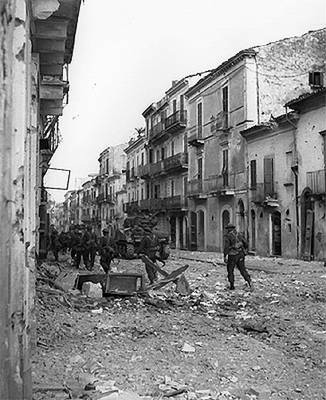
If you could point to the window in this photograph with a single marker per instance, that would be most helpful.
(142, 158)
(225, 169)
(137, 160)
(253, 174)
(162, 153)
(268, 176)
(172, 188)
(172, 148)
(150, 156)
(182, 102)
(200, 169)
(107, 165)
(174, 106)
(157, 155)
(185, 186)
(200, 120)
(156, 191)
(142, 193)
(316, 78)
(225, 105)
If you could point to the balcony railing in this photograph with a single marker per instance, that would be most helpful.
(219, 183)
(176, 121)
(195, 187)
(263, 193)
(176, 161)
(150, 204)
(316, 181)
(174, 202)
(194, 138)
(157, 130)
(102, 198)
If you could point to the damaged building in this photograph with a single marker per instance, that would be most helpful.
(37, 41)
(249, 89)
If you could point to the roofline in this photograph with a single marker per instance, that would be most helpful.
(178, 86)
(284, 119)
(134, 144)
(148, 110)
(221, 69)
(295, 104)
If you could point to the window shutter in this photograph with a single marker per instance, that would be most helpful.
(253, 174)
(200, 119)
(268, 176)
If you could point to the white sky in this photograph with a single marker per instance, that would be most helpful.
(127, 52)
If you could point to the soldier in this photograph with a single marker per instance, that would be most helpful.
(72, 241)
(235, 249)
(90, 243)
(106, 250)
(54, 244)
(79, 248)
(150, 247)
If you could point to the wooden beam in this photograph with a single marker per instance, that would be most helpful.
(51, 69)
(51, 92)
(54, 28)
(49, 58)
(50, 46)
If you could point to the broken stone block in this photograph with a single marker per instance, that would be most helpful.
(187, 348)
(93, 290)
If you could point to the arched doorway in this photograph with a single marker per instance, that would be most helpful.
(193, 231)
(307, 224)
(276, 234)
(241, 217)
(201, 230)
(173, 231)
(225, 219)
(253, 230)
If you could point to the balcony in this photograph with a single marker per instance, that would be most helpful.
(223, 185)
(264, 194)
(150, 204)
(195, 187)
(157, 131)
(143, 170)
(102, 198)
(316, 181)
(178, 161)
(176, 121)
(195, 137)
(174, 202)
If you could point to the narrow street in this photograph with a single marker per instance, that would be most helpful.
(214, 344)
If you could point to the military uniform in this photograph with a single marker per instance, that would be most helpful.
(54, 244)
(150, 247)
(79, 248)
(235, 249)
(106, 250)
(90, 243)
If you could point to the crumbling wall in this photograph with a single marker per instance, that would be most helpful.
(283, 70)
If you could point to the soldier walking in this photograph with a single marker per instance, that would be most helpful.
(106, 250)
(150, 247)
(235, 249)
(90, 243)
(54, 244)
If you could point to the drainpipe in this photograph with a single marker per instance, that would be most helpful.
(296, 179)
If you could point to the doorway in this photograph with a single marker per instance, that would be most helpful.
(173, 231)
(276, 234)
(241, 217)
(253, 230)
(307, 225)
(201, 230)
(193, 231)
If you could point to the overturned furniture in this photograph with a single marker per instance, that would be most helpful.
(177, 277)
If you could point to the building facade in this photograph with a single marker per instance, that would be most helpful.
(112, 185)
(166, 167)
(248, 89)
(37, 41)
(136, 158)
(286, 163)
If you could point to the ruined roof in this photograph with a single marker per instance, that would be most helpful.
(221, 69)
(300, 102)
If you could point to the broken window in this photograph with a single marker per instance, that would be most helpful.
(253, 174)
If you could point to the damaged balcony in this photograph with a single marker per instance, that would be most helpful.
(103, 198)
(176, 121)
(264, 194)
(175, 163)
(174, 203)
(195, 137)
(157, 132)
(150, 204)
(195, 188)
(222, 185)
(316, 181)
